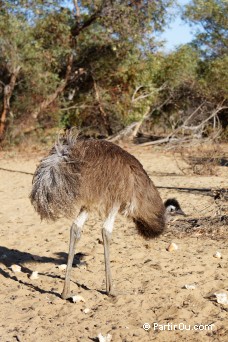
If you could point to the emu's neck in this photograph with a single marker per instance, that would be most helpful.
(167, 216)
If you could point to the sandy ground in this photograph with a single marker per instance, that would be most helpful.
(149, 279)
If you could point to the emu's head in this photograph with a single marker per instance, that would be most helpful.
(173, 208)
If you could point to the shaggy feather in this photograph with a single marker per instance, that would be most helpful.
(96, 175)
(149, 231)
(56, 182)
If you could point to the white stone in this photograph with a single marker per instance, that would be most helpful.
(34, 275)
(172, 247)
(190, 286)
(15, 268)
(221, 298)
(77, 299)
(62, 267)
(106, 338)
(217, 255)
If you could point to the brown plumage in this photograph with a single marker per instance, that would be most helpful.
(96, 175)
(80, 176)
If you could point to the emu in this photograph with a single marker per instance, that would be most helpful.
(80, 176)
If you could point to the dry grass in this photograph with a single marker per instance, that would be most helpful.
(202, 159)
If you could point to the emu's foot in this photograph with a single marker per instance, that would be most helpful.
(115, 293)
(65, 294)
(112, 293)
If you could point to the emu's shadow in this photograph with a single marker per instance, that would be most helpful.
(12, 256)
(9, 257)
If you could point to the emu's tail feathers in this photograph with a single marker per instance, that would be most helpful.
(55, 187)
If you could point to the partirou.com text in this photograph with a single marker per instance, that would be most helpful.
(177, 326)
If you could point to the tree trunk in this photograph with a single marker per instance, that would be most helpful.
(104, 115)
(51, 98)
(8, 91)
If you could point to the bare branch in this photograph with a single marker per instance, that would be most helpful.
(136, 90)
(193, 113)
(51, 98)
(80, 27)
(124, 133)
(140, 97)
(156, 142)
(8, 91)
(77, 106)
(219, 108)
(77, 8)
(197, 130)
(139, 124)
(98, 98)
(101, 108)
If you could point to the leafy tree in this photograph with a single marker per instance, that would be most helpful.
(211, 40)
(211, 19)
(79, 56)
(28, 70)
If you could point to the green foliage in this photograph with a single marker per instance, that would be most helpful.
(106, 39)
(179, 67)
(119, 70)
(211, 16)
(216, 78)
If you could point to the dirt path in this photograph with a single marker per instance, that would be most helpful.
(149, 278)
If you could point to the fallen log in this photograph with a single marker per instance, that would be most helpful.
(216, 193)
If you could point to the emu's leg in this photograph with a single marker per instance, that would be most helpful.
(107, 234)
(75, 234)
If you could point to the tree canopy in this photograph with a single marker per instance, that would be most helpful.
(211, 20)
(99, 65)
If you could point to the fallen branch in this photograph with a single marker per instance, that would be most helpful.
(126, 132)
(215, 193)
(215, 227)
(179, 134)
(139, 124)
(146, 115)
(213, 115)
(185, 189)
(158, 142)
(18, 171)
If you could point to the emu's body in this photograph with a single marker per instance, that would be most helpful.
(80, 176)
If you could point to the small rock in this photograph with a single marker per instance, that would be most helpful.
(189, 286)
(62, 267)
(77, 298)
(15, 268)
(106, 338)
(221, 298)
(87, 310)
(34, 275)
(217, 255)
(172, 247)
